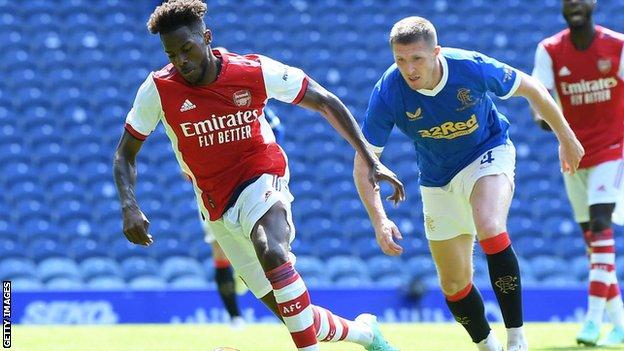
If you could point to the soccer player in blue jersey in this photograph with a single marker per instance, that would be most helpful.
(439, 98)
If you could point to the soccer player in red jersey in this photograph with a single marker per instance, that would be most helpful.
(211, 105)
(584, 67)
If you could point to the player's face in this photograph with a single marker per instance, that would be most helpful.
(577, 13)
(417, 63)
(188, 51)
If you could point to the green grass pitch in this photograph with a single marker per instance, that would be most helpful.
(265, 337)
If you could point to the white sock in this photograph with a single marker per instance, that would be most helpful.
(615, 310)
(515, 336)
(335, 328)
(490, 343)
(595, 310)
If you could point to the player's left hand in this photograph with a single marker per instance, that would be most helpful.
(570, 154)
(380, 172)
(386, 233)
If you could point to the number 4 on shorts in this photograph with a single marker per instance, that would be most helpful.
(487, 158)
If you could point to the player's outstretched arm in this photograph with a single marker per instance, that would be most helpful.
(319, 99)
(135, 223)
(386, 232)
(540, 121)
(570, 149)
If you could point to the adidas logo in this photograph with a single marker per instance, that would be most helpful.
(564, 71)
(187, 106)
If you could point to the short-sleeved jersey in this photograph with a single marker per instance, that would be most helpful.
(452, 124)
(589, 85)
(218, 131)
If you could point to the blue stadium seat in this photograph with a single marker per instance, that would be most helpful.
(177, 266)
(26, 284)
(136, 266)
(392, 281)
(301, 247)
(578, 268)
(148, 282)
(95, 267)
(328, 247)
(571, 246)
(352, 281)
(309, 266)
(11, 268)
(414, 244)
(82, 248)
(110, 282)
(199, 249)
(381, 266)
(122, 249)
(366, 247)
(341, 266)
(57, 267)
(43, 248)
(190, 282)
(64, 283)
(559, 280)
(421, 267)
(546, 266)
(161, 249)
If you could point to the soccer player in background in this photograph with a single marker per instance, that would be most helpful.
(211, 105)
(584, 67)
(439, 98)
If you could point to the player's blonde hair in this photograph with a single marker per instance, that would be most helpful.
(174, 14)
(412, 29)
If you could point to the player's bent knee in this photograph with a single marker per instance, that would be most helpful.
(489, 228)
(451, 286)
(272, 256)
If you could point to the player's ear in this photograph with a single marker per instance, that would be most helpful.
(207, 37)
(436, 50)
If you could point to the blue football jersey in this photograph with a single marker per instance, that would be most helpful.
(452, 124)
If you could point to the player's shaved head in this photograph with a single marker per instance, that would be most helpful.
(413, 29)
(174, 14)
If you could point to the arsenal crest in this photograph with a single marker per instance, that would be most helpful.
(604, 65)
(242, 98)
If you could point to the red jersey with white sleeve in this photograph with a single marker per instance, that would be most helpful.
(590, 88)
(218, 131)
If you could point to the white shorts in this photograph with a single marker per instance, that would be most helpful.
(447, 210)
(233, 230)
(600, 184)
(208, 236)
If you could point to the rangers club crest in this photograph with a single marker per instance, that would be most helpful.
(242, 98)
(604, 65)
(465, 98)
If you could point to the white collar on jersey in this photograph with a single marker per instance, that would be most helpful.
(442, 83)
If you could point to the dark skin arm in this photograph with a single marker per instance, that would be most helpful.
(335, 112)
(135, 223)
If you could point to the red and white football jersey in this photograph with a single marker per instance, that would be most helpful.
(590, 88)
(218, 131)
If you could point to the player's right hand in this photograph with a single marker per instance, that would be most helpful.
(135, 226)
(570, 154)
(386, 233)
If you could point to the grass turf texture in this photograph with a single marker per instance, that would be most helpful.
(267, 337)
